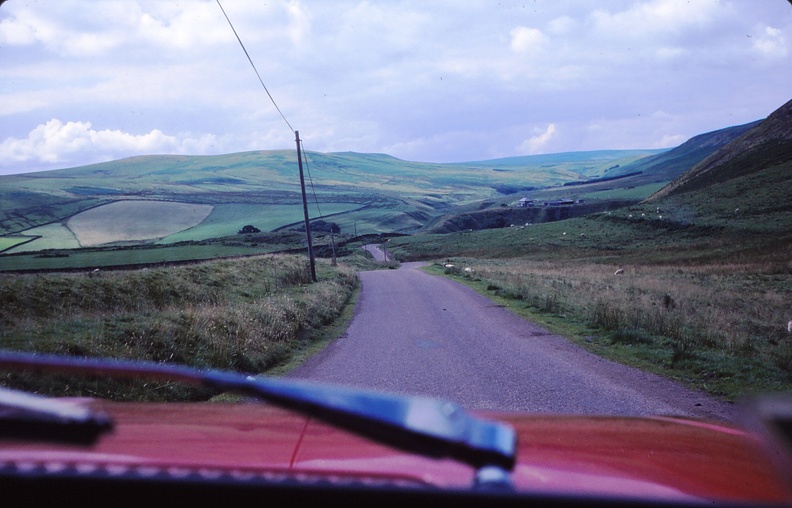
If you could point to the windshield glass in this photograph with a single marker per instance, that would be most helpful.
(537, 206)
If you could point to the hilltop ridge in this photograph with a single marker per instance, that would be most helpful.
(766, 144)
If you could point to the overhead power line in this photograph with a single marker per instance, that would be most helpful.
(254, 66)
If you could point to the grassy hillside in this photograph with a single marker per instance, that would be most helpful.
(214, 196)
(765, 145)
(669, 165)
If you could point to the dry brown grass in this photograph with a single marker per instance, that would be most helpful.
(738, 311)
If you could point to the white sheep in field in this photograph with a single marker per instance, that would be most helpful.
(619, 271)
(468, 270)
(789, 327)
(448, 265)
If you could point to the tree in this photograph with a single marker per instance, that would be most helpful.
(248, 230)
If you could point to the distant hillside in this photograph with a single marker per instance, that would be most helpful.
(669, 165)
(398, 195)
(765, 145)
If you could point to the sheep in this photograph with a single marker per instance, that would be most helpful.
(789, 327)
(448, 265)
(582, 235)
(468, 270)
(619, 271)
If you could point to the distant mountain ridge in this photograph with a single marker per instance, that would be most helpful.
(672, 163)
(767, 143)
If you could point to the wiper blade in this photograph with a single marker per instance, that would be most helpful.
(419, 425)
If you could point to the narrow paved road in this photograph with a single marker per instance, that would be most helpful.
(378, 252)
(416, 333)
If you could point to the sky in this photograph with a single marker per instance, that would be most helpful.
(427, 80)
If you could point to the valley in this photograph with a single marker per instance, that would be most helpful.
(677, 262)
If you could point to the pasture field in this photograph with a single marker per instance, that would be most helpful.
(89, 259)
(52, 236)
(124, 221)
(227, 219)
(632, 193)
(7, 243)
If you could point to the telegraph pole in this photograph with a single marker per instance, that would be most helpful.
(305, 207)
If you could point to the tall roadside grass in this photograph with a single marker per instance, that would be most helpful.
(245, 315)
(721, 327)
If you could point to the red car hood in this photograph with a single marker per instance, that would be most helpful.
(663, 458)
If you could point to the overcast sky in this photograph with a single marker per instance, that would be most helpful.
(441, 81)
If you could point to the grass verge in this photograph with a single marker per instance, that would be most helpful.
(251, 315)
(661, 319)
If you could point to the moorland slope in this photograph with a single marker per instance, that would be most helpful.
(765, 145)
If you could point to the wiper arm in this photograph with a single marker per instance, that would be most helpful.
(27, 416)
(419, 425)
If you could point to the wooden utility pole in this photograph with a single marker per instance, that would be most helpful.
(305, 208)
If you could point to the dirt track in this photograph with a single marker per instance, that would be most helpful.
(416, 333)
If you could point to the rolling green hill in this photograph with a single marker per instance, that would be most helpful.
(364, 193)
(214, 196)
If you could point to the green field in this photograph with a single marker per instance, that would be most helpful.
(124, 221)
(7, 243)
(52, 236)
(89, 259)
(226, 220)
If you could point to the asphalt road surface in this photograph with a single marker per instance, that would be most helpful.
(378, 252)
(419, 334)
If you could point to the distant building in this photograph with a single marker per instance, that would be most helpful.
(560, 202)
(525, 203)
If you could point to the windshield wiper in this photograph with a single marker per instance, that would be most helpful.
(420, 425)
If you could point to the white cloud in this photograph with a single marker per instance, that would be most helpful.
(526, 40)
(658, 18)
(62, 143)
(561, 25)
(771, 43)
(423, 80)
(535, 144)
(671, 140)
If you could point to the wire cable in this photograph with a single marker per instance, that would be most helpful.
(254, 66)
(310, 179)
